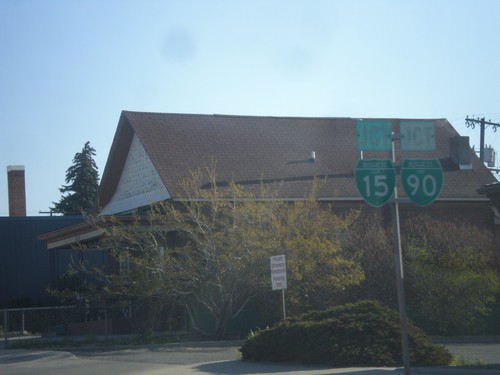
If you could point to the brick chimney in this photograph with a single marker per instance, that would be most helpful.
(17, 190)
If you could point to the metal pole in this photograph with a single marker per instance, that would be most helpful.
(105, 321)
(481, 146)
(400, 286)
(398, 258)
(22, 323)
(283, 303)
(5, 327)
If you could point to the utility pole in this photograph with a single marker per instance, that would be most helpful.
(471, 123)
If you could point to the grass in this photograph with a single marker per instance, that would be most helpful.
(93, 340)
(466, 362)
(476, 363)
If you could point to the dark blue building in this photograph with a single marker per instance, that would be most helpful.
(26, 266)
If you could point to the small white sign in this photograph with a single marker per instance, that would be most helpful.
(278, 272)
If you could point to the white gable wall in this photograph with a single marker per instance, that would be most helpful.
(139, 185)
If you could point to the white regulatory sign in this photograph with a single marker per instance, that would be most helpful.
(278, 272)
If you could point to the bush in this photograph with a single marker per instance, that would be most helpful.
(452, 276)
(361, 334)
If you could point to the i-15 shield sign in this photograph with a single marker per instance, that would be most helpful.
(375, 180)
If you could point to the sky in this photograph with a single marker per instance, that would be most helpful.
(69, 67)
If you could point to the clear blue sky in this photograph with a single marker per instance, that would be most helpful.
(69, 67)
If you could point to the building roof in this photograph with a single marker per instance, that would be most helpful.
(492, 191)
(80, 231)
(251, 150)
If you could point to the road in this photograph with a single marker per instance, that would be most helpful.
(200, 358)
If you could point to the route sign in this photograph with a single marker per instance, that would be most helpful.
(417, 136)
(373, 135)
(375, 180)
(422, 180)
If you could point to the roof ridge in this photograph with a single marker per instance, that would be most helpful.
(231, 115)
(282, 117)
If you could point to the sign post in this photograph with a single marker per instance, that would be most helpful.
(422, 181)
(398, 259)
(278, 277)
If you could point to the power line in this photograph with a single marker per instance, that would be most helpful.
(471, 123)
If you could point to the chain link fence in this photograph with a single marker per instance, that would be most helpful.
(56, 321)
(35, 321)
(87, 320)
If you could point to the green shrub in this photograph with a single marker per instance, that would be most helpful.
(362, 334)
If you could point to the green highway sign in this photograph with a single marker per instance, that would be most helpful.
(422, 180)
(417, 136)
(373, 135)
(375, 181)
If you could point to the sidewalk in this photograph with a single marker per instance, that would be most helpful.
(239, 367)
(221, 358)
(61, 363)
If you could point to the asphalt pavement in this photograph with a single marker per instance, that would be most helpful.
(214, 358)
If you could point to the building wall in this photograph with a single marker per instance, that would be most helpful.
(24, 260)
(478, 213)
(139, 184)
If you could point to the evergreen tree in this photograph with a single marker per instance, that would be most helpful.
(82, 179)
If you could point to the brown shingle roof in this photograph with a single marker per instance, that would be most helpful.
(251, 149)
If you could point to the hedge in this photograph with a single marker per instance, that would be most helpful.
(361, 334)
